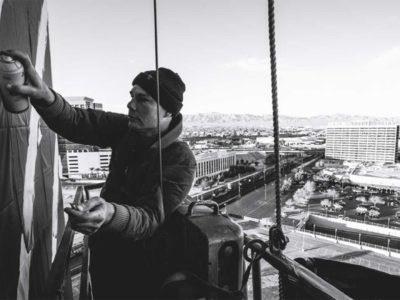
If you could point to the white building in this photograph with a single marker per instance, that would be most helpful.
(65, 146)
(213, 163)
(392, 184)
(362, 141)
(265, 140)
(83, 163)
(84, 102)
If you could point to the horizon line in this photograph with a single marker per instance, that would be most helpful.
(270, 114)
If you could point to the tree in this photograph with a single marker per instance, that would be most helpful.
(333, 193)
(286, 185)
(376, 200)
(374, 213)
(337, 207)
(309, 187)
(300, 197)
(326, 203)
(332, 179)
(361, 210)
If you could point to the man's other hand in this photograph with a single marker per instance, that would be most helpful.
(35, 87)
(90, 215)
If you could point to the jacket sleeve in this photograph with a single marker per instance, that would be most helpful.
(83, 126)
(142, 220)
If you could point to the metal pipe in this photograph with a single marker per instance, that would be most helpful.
(256, 275)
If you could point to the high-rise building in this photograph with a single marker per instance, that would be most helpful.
(362, 141)
(65, 146)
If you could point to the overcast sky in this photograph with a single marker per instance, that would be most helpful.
(333, 57)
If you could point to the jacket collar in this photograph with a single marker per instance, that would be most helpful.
(173, 133)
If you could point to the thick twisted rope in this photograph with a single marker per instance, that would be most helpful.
(274, 91)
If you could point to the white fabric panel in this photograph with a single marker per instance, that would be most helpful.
(29, 180)
(24, 267)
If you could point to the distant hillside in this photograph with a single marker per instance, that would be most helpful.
(246, 120)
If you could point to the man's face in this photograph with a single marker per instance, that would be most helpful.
(143, 111)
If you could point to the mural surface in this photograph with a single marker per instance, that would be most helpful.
(31, 209)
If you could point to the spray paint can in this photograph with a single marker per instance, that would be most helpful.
(12, 72)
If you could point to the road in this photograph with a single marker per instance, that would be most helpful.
(254, 205)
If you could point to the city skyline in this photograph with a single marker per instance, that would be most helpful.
(333, 58)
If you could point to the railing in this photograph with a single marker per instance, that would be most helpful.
(299, 275)
(353, 220)
(60, 274)
(59, 271)
(353, 241)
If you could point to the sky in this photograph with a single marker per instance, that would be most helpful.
(333, 57)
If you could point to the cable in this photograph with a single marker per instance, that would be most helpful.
(158, 98)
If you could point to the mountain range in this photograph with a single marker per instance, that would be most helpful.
(215, 119)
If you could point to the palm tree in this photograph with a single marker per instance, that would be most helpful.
(333, 193)
(326, 203)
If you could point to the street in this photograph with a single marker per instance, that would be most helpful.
(254, 205)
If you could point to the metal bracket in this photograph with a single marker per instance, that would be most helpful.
(277, 240)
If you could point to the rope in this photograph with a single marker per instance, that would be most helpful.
(274, 91)
(158, 98)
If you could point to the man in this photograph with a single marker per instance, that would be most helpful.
(132, 209)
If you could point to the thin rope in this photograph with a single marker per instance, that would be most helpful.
(158, 97)
(274, 91)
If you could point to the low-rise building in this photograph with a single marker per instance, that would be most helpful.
(209, 164)
(66, 147)
(85, 163)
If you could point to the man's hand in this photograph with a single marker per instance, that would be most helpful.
(90, 215)
(35, 88)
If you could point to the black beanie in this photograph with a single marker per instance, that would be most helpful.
(171, 88)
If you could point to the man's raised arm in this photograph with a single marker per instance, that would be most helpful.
(78, 125)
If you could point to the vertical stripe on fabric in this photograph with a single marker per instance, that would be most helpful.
(34, 139)
(56, 189)
(29, 180)
(1, 6)
(24, 271)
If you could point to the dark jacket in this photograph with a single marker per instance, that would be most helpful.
(123, 252)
